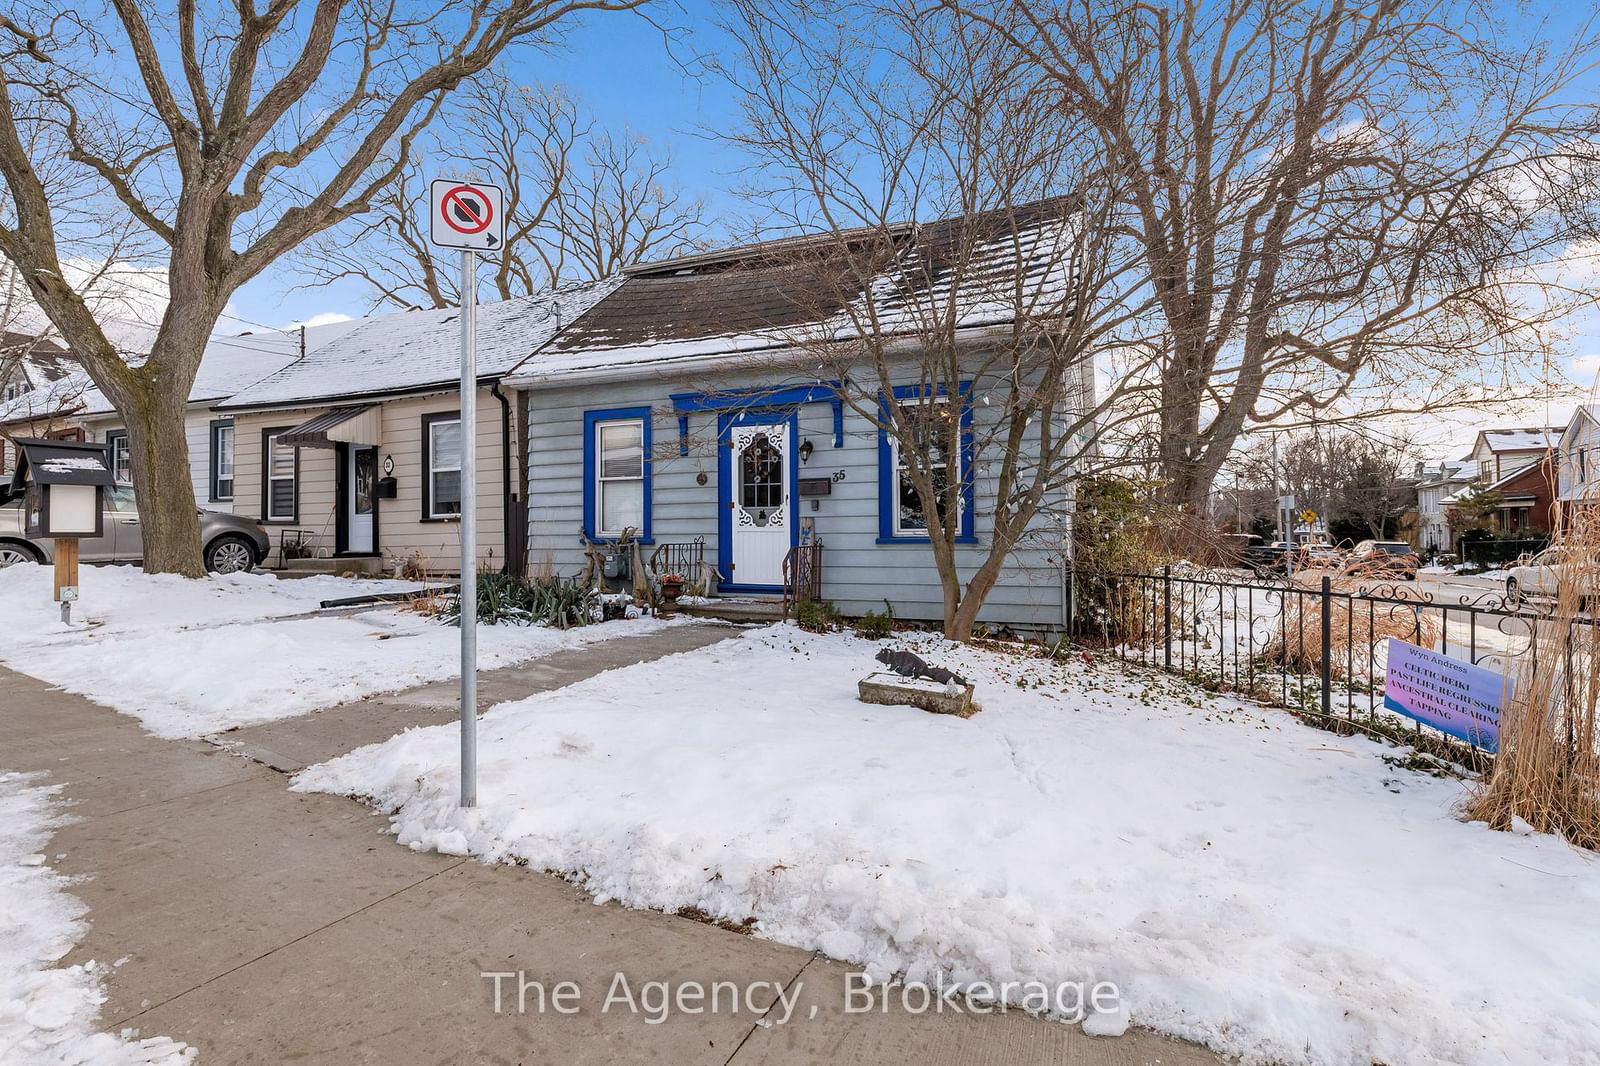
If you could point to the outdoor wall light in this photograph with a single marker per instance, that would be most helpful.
(805, 451)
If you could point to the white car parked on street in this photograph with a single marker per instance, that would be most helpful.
(1541, 575)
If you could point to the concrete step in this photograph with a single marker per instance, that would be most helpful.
(754, 611)
(366, 565)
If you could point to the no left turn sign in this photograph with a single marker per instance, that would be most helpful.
(466, 215)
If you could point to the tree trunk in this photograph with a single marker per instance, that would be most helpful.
(158, 450)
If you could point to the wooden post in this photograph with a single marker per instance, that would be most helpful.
(66, 564)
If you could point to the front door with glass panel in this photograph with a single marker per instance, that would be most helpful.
(756, 493)
(361, 499)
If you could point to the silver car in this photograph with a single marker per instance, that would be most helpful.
(231, 543)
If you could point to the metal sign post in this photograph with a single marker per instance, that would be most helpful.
(468, 216)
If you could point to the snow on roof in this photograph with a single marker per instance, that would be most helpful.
(1513, 440)
(784, 294)
(230, 363)
(408, 351)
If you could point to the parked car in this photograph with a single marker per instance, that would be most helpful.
(1318, 555)
(1383, 558)
(1267, 560)
(230, 543)
(1541, 574)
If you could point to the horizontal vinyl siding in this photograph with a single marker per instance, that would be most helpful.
(197, 434)
(858, 573)
(401, 529)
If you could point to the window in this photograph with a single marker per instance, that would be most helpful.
(900, 508)
(281, 463)
(616, 461)
(222, 460)
(121, 469)
(441, 483)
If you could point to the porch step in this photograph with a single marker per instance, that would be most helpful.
(754, 611)
(364, 565)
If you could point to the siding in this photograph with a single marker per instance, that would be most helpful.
(401, 529)
(858, 573)
(197, 429)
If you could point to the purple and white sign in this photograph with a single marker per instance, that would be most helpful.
(1454, 697)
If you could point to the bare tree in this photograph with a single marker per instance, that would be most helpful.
(236, 134)
(1355, 481)
(580, 203)
(1343, 210)
(969, 341)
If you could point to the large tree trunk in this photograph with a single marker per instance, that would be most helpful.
(158, 449)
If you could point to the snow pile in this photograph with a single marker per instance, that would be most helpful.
(47, 1014)
(124, 599)
(189, 658)
(1276, 892)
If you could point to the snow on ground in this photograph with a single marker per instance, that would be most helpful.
(47, 1013)
(1271, 890)
(188, 658)
(124, 599)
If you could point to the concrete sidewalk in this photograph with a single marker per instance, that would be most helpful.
(264, 926)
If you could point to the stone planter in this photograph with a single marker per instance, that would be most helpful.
(893, 690)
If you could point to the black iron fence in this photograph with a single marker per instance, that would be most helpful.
(1314, 642)
(1494, 552)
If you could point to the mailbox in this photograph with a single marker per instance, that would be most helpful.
(63, 485)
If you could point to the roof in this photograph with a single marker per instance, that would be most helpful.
(1536, 438)
(413, 351)
(61, 462)
(229, 364)
(779, 294)
(42, 360)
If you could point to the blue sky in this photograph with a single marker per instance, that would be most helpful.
(619, 67)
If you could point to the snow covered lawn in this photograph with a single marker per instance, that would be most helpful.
(188, 658)
(47, 1013)
(1271, 890)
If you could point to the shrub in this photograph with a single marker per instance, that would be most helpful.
(875, 626)
(815, 616)
(548, 601)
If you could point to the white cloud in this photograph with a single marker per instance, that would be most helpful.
(324, 318)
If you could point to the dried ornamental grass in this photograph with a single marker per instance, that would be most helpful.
(1547, 772)
(1357, 628)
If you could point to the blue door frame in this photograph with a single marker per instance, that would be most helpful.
(725, 485)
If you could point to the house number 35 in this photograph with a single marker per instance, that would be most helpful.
(838, 475)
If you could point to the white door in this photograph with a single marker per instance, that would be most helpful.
(361, 498)
(758, 498)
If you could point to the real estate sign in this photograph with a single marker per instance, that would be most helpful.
(1454, 697)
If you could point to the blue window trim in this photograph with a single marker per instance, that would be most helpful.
(725, 422)
(591, 419)
(759, 399)
(888, 483)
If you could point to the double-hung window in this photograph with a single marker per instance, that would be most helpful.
(121, 468)
(935, 428)
(282, 465)
(441, 438)
(222, 460)
(617, 470)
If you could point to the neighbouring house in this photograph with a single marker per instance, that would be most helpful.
(351, 456)
(1437, 482)
(72, 408)
(1499, 453)
(687, 406)
(29, 362)
(1527, 500)
(1578, 458)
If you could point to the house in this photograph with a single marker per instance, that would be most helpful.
(73, 408)
(351, 456)
(1499, 453)
(690, 406)
(29, 362)
(1578, 458)
(1435, 484)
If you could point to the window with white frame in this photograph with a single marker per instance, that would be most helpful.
(443, 439)
(222, 460)
(619, 476)
(929, 425)
(121, 466)
(282, 474)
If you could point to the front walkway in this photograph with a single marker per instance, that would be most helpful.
(265, 926)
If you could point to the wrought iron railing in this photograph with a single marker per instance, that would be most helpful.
(1314, 642)
(802, 575)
